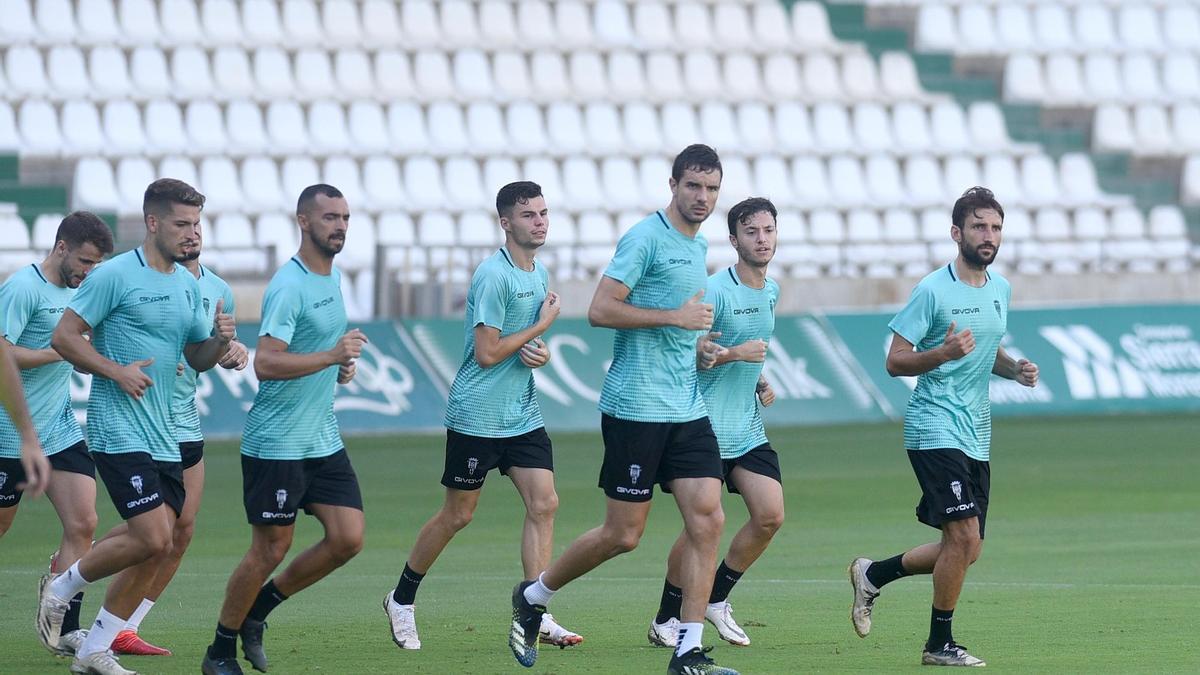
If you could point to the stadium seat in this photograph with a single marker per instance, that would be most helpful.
(900, 226)
(1181, 26)
(643, 133)
(626, 79)
(108, 73)
(180, 168)
(458, 24)
(67, 73)
(464, 184)
(56, 21)
(39, 128)
(988, 130)
(18, 26)
(190, 73)
(1138, 27)
(1023, 79)
(770, 27)
(368, 127)
(1181, 76)
(423, 183)
(472, 75)
(382, 185)
(1185, 124)
(1064, 80)
(182, 26)
(342, 171)
(262, 188)
(587, 77)
(381, 23)
(395, 228)
(792, 128)
(393, 75)
(949, 126)
(910, 127)
(45, 229)
(231, 69)
(26, 71)
(653, 174)
(860, 79)
(574, 24)
(261, 22)
(884, 182)
(205, 128)
(1090, 224)
(872, 127)
(821, 77)
(81, 132)
(478, 228)
(825, 226)
(1039, 180)
(847, 182)
(447, 129)
(603, 128)
(1052, 224)
(314, 74)
(1014, 27)
(221, 21)
(219, 183)
(1052, 25)
(935, 30)
(1167, 222)
(810, 27)
(1094, 28)
(352, 72)
(286, 127)
(164, 127)
(740, 74)
(94, 188)
(132, 177)
(1111, 129)
(1139, 73)
(277, 232)
(754, 128)
(923, 181)
(702, 75)
(297, 173)
(548, 75)
(1102, 78)
(327, 127)
(1152, 129)
(781, 73)
(436, 228)
(536, 13)
(139, 21)
(961, 174)
(717, 126)
(664, 77)
(339, 19)
(898, 76)
(810, 182)
(1127, 222)
(123, 128)
(612, 23)
(9, 139)
(831, 125)
(301, 22)
(1000, 174)
(148, 70)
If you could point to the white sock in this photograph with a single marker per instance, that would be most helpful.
(66, 585)
(135, 620)
(103, 632)
(538, 593)
(689, 637)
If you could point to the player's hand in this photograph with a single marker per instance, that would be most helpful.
(346, 372)
(1027, 373)
(349, 347)
(132, 380)
(694, 314)
(236, 357)
(754, 351)
(550, 309)
(708, 351)
(179, 368)
(766, 395)
(224, 326)
(37, 469)
(958, 345)
(534, 353)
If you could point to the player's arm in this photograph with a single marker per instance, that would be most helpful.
(904, 360)
(766, 395)
(12, 397)
(203, 355)
(17, 307)
(491, 349)
(1021, 370)
(751, 351)
(26, 358)
(70, 342)
(609, 309)
(272, 360)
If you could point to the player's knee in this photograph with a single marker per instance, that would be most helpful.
(270, 552)
(706, 525)
(768, 523)
(81, 530)
(344, 547)
(182, 536)
(543, 507)
(964, 539)
(458, 518)
(623, 540)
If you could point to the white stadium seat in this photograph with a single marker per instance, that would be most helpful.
(132, 177)
(247, 134)
(297, 173)
(458, 23)
(81, 132)
(109, 73)
(301, 22)
(67, 73)
(180, 168)
(39, 128)
(382, 184)
(95, 188)
(464, 184)
(381, 23)
(18, 26)
(222, 23)
(261, 22)
(262, 187)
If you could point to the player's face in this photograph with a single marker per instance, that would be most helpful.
(326, 222)
(529, 223)
(756, 239)
(979, 237)
(695, 194)
(77, 262)
(176, 231)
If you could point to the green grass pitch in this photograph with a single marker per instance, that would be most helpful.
(1092, 563)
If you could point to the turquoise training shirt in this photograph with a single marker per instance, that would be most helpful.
(951, 406)
(740, 314)
(30, 307)
(500, 401)
(137, 312)
(187, 415)
(653, 372)
(293, 419)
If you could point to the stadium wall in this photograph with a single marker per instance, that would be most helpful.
(825, 368)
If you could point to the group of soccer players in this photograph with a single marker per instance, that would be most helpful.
(679, 408)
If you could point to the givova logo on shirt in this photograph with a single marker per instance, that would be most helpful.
(153, 298)
(748, 310)
(524, 294)
(321, 303)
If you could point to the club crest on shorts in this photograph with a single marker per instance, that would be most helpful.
(472, 464)
(280, 498)
(635, 472)
(3, 479)
(136, 481)
(956, 488)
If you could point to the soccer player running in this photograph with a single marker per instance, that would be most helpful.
(292, 452)
(492, 416)
(31, 302)
(144, 312)
(653, 421)
(213, 291)
(948, 335)
(744, 317)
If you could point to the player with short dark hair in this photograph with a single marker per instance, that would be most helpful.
(31, 302)
(744, 300)
(144, 313)
(293, 456)
(214, 294)
(492, 415)
(948, 423)
(653, 418)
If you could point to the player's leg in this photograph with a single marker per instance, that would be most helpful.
(7, 515)
(664, 629)
(128, 641)
(11, 475)
(763, 495)
(343, 539)
(73, 495)
(699, 502)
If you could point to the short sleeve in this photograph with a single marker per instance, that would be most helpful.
(17, 306)
(201, 328)
(280, 312)
(630, 260)
(713, 295)
(489, 302)
(98, 295)
(913, 322)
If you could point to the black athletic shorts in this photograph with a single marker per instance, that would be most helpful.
(138, 483)
(191, 452)
(639, 454)
(469, 458)
(274, 489)
(762, 460)
(953, 486)
(74, 459)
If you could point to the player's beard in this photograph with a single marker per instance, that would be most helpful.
(330, 247)
(67, 275)
(972, 256)
(190, 254)
(745, 255)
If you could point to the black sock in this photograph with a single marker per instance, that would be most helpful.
(406, 589)
(671, 603)
(268, 599)
(71, 618)
(939, 629)
(723, 583)
(224, 645)
(883, 572)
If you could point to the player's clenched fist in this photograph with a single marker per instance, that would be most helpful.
(132, 380)
(754, 351)
(766, 395)
(349, 347)
(223, 324)
(1027, 373)
(550, 309)
(694, 314)
(236, 357)
(534, 353)
(958, 345)
(708, 351)
(346, 372)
